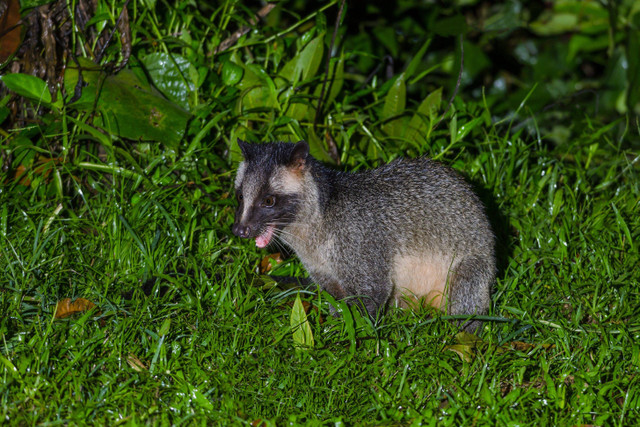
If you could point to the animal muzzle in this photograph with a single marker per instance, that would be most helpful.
(240, 230)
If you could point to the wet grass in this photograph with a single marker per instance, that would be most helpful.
(208, 343)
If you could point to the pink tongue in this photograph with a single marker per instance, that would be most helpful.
(264, 239)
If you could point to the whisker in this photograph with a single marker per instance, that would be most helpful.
(285, 235)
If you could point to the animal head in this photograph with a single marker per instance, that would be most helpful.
(269, 188)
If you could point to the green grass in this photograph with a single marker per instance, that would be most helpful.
(216, 346)
(100, 217)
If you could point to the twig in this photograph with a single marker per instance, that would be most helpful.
(123, 12)
(233, 38)
(326, 74)
(455, 92)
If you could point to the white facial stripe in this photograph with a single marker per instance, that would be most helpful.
(242, 167)
(285, 181)
(249, 195)
(245, 210)
(249, 190)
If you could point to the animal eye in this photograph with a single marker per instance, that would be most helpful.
(269, 201)
(239, 196)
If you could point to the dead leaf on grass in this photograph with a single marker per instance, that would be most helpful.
(68, 307)
(267, 262)
(464, 351)
(525, 346)
(468, 344)
(135, 363)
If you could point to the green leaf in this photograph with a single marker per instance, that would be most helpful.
(451, 26)
(231, 73)
(316, 147)
(302, 335)
(633, 69)
(421, 123)
(336, 80)
(95, 133)
(466, 128)
(259, 90)
(417, 58)
(389, 38)
(394, 105)
(9, 367)
(550, 23)
(127, 106)
(305, 64)
(172, 75)
(201, 399)
(581, 43)
(334, 83)
(348, 322)
(558, 201)
(4, 113)
(301, 68)
(31, 87)
(622, 225)
(164, 329)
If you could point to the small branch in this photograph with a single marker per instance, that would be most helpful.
(326, 74)
(123, 15)
(233, 38)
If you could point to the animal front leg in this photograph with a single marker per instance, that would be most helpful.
(331, 286)
(369, 293)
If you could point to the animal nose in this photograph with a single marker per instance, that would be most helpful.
(241, 230)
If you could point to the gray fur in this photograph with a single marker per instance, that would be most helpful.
(350, 229)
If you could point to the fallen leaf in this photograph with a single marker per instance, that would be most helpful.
(468, 338)
(135, 363)
(267, 262)
(464, 351)
(68, 307)
(469, 344)
(11, 30)
(525, 346)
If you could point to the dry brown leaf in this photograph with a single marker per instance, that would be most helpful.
(464, 351)
(42, 167)
(308, 307)
(10, 29)
(305, 304)
(467, 344)
(68, 307)
(135, 363)
(266, 263)
(525, 346)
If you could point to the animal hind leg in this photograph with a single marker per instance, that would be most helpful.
(470, 289)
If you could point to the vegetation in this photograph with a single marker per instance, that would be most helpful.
(118, 153)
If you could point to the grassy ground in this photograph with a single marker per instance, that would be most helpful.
(211, 343)
(184, 328)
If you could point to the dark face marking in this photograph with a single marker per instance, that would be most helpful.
(260, 184)
(268, 209)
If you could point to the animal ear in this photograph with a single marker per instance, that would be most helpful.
(245, 148)
(299, 154)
